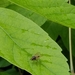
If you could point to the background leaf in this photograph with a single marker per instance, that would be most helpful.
(12, 72)
(60, 34)
(3, 63)
(4, 3)
(21, 38)
(29, 14)
(58, 11)
(3, 73)
(53, 29)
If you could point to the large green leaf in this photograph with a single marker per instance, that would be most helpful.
(55, 10)
(20, 38)
(4, 3)
(29, 14)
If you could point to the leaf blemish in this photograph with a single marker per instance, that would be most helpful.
(23, 30)
(34, 44)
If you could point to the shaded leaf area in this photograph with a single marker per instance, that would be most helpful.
(4, 73)
(11, 71)
(73, 2)
(7, 68)
(29, 14)
(65, 39)
(58, 11)
(21, 39)
(4, 3)
(3, 63)
(54, 30)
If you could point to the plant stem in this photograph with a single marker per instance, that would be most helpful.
(70, 49)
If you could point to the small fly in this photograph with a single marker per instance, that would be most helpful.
(35, 57)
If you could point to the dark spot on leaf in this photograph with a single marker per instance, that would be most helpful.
(23, 30)
(31, 14)
(54, 48)
(36, 44)
(33, 44)
(25, 50)
(48, 46)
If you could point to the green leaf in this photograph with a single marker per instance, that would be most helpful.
(58, 11)
(21, 39)
(53, 29)
(64, 35)
(4, 3)
(73, 2)
(3, 63)
(4, 73)
(29, 14)
(12, 71)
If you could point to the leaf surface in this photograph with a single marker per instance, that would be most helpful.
(53, 29)
(58, 11)
(21, 39)
(3, 73)
(4, 3)
(38, 19)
